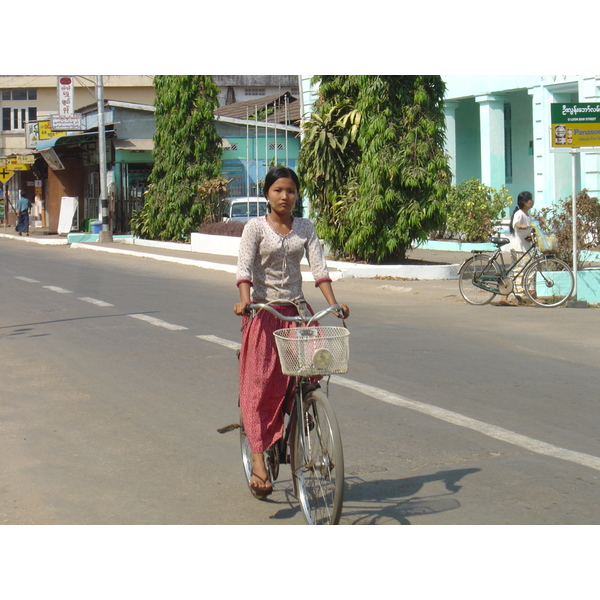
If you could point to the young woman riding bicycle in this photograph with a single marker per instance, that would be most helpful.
(268, 270)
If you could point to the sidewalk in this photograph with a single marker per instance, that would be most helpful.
(424, 264)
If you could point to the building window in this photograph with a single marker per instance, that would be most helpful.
(19, 94)
(14, 119)
(254, 91)
(278, 146)
(508, 169)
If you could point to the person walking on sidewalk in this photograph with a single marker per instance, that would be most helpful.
(520, 227)
(23, 206)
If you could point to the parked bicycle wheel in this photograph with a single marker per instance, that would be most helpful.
(317, 461)
(481, 269)
(548, 281)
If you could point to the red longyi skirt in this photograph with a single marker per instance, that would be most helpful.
(262, 384)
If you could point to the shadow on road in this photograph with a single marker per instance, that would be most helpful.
(389, 501)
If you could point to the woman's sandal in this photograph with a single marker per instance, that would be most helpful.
(505, 303)
(260, 493)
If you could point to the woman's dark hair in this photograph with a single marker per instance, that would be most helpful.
(277, 173)
(521, 199)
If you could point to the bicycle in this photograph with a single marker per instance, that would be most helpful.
(311, 443)
(547, 280)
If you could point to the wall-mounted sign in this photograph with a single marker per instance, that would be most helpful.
(66, 106)
(45, 131)
(66, 123)
(12, 166)
(52, 159)
(575, 125)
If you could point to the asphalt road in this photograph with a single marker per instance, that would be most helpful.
(450, 414)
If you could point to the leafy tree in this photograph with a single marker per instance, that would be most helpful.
(373, 165)
(187, 154)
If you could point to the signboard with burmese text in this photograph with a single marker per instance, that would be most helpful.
(575, 125)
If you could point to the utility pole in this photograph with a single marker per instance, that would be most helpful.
(106, 233)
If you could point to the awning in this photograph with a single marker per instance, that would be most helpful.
(70, 140)
(136, 144)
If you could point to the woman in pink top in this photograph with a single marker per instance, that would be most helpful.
(268, 270)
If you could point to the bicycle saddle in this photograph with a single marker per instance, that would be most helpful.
(498, 241)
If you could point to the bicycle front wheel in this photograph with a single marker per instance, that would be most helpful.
(479, 270)
(317, 461)
(548, 282)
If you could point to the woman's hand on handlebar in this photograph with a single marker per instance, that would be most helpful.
(240, 308)
(345, 312)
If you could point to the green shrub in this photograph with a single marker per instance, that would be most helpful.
(558, 219)
(231, 228)
(472, 210)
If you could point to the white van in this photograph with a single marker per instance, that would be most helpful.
(244, 208)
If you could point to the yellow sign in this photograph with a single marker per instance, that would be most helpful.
(13, 164)
(575, 125)
(45, 131)
(5, 175)
(25, 159)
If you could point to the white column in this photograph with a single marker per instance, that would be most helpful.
(589, 91)
(543, 162)
(491, 118)
(450, 146)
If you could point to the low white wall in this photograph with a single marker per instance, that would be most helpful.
(222, 245)
(349, 270)
(153, 244)
(228, 246)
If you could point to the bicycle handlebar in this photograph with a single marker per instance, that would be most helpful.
(297, 318)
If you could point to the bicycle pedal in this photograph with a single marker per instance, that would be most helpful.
(229, 428)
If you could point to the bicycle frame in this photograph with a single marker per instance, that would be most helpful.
(497, 258)
(311, 435)
(299, 386)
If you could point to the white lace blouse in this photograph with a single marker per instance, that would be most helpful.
(270, 262)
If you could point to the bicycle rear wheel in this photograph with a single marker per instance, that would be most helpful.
(317, 461)
(472, 272)
(548, 281)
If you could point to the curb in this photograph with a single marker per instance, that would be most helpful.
(338, 270)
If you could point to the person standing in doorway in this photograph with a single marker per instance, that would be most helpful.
(23, 207)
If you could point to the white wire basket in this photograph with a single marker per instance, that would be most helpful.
(311, 351)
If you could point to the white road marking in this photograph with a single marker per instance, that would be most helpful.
(158, 322)
(94, 301)
(222, 342)
(58, 290)
(27, 279)
(492, 431)
(498, 433)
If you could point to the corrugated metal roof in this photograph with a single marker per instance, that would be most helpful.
(274, 102)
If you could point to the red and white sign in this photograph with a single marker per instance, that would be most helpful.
(65, 96)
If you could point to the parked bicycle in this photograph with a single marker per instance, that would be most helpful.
(311, 444)
(546, 280)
